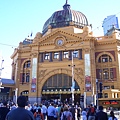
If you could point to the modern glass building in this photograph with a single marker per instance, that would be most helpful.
(109, 22)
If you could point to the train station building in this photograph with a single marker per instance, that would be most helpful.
(66, 57)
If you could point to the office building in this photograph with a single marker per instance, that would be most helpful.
(109, 22)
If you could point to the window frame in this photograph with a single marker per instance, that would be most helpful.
(47, 55)
(65, 54)
(56, 55)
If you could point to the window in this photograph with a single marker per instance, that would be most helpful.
(106, 87)
(111, 73)
(112, 86)
(25, 77)
(105, 73)
(46, 56)
(65, 54)
(105, 58)
(56, 55)
(100, 74)
(27, 64)
(106, 95)
(59, 82)
(75, 54)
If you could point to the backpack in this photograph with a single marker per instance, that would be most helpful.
(92, 110)
(38, 117)
(64, 117)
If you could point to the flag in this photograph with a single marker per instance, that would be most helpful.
(31, 34)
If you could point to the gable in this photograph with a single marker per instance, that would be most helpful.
(51, 38)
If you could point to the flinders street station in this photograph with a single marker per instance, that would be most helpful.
(66, 61)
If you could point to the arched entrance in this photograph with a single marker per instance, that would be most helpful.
(58, 86)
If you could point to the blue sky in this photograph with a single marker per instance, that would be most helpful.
(19, 17)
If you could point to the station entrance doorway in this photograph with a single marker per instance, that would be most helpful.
(59, 87)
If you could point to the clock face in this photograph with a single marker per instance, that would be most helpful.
(60, 42)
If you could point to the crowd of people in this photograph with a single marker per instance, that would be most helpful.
(53, 110)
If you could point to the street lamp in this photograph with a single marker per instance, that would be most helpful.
(97, 93)
(16, 92)
(72, 66)
(73, 82)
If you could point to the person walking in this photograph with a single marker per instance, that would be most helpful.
(44, 108)
(78, 112)
(51, 111)
(84, 114)
(13, 106)
(112, 116)
(20, 113)
(38, 115)
(66, 114)
(73, 111)
(101, 115)
(4, 111)
(91, 113)
(56, 112)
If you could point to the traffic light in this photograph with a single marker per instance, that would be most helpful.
(99, 95)
(82, 98)
(100, 87)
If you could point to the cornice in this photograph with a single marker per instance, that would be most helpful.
(24, 51)
(89, 39)
(104, 43)
(62, 33)
(103, 65)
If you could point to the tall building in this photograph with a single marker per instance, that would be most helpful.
(109, 22)
(67, 61)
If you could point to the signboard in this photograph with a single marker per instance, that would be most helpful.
(110, 102)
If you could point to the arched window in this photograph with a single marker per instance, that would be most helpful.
(27, 64)
(26, 72)
(104, 58)
(60, 82)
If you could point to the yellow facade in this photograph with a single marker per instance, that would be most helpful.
(43, 54)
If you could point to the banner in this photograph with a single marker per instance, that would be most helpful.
(34, 73)
(87, 73)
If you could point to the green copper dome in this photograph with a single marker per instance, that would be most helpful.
(64, 17)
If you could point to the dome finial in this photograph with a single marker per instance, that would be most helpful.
(66, 1)
(66, 6)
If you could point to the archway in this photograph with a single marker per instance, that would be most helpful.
(58, 87)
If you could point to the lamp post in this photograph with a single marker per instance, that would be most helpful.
(72, 66)
(1, 68)
(73, 82)
(97, 93)
(16, 92)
